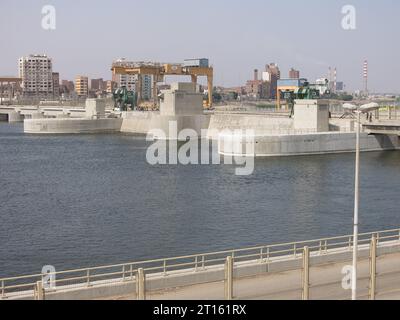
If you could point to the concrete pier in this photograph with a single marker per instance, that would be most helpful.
(181, 105)
(14, 116)
(307, 144)
(309, 132)
(71, 126)
(94, 120)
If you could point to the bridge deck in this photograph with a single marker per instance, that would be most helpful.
(383, 127)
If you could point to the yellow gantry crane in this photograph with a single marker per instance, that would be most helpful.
(193, 67)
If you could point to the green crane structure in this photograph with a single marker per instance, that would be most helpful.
(307, 91)
(124, 99)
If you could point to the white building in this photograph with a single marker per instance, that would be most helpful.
(36, 72)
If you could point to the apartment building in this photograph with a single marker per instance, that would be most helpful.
(36, 72)
(82, 86)
(56, 85)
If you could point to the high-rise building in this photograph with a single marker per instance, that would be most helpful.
(36, 72)
(146, 87)
(82, 86)
(274, 74)
(56, 85)
(294, 74)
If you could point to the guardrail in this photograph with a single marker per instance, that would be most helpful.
(112, 274)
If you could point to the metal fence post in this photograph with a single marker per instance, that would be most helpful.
(228, 283)
(141, 285)
(306, 273)
(131, 271)
(88, 277)
(372, 269)
(2, 289)
(39, 291)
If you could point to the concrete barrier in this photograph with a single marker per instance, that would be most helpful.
(261, 124)
(315, 143)
(72, 125)
(143, 122)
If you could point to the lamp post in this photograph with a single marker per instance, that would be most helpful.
(357, 110)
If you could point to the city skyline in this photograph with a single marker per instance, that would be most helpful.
(90, 43)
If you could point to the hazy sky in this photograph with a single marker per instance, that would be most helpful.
(237, 37)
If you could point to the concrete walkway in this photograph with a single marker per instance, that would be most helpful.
(325, 282)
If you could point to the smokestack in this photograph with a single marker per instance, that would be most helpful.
(255, 74)
(334, 79)
(365, 76)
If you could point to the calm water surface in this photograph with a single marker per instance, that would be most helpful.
(86, 200)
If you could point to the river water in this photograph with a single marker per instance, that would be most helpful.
(85, 200)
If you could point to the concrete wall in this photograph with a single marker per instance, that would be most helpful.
(95, 108)
(136, 122)
(66, 126)
(311, 115)
(345, 125)
(143, 123)
(318, 143)
(14, 116)
(181, 99)
(261, 124)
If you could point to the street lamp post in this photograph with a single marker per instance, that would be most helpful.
(357, 110)
(356, 202)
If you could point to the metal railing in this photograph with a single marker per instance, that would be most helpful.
(119, 273)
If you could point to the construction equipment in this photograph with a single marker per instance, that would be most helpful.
(124, 99)
(306, 91)
(191, 67)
